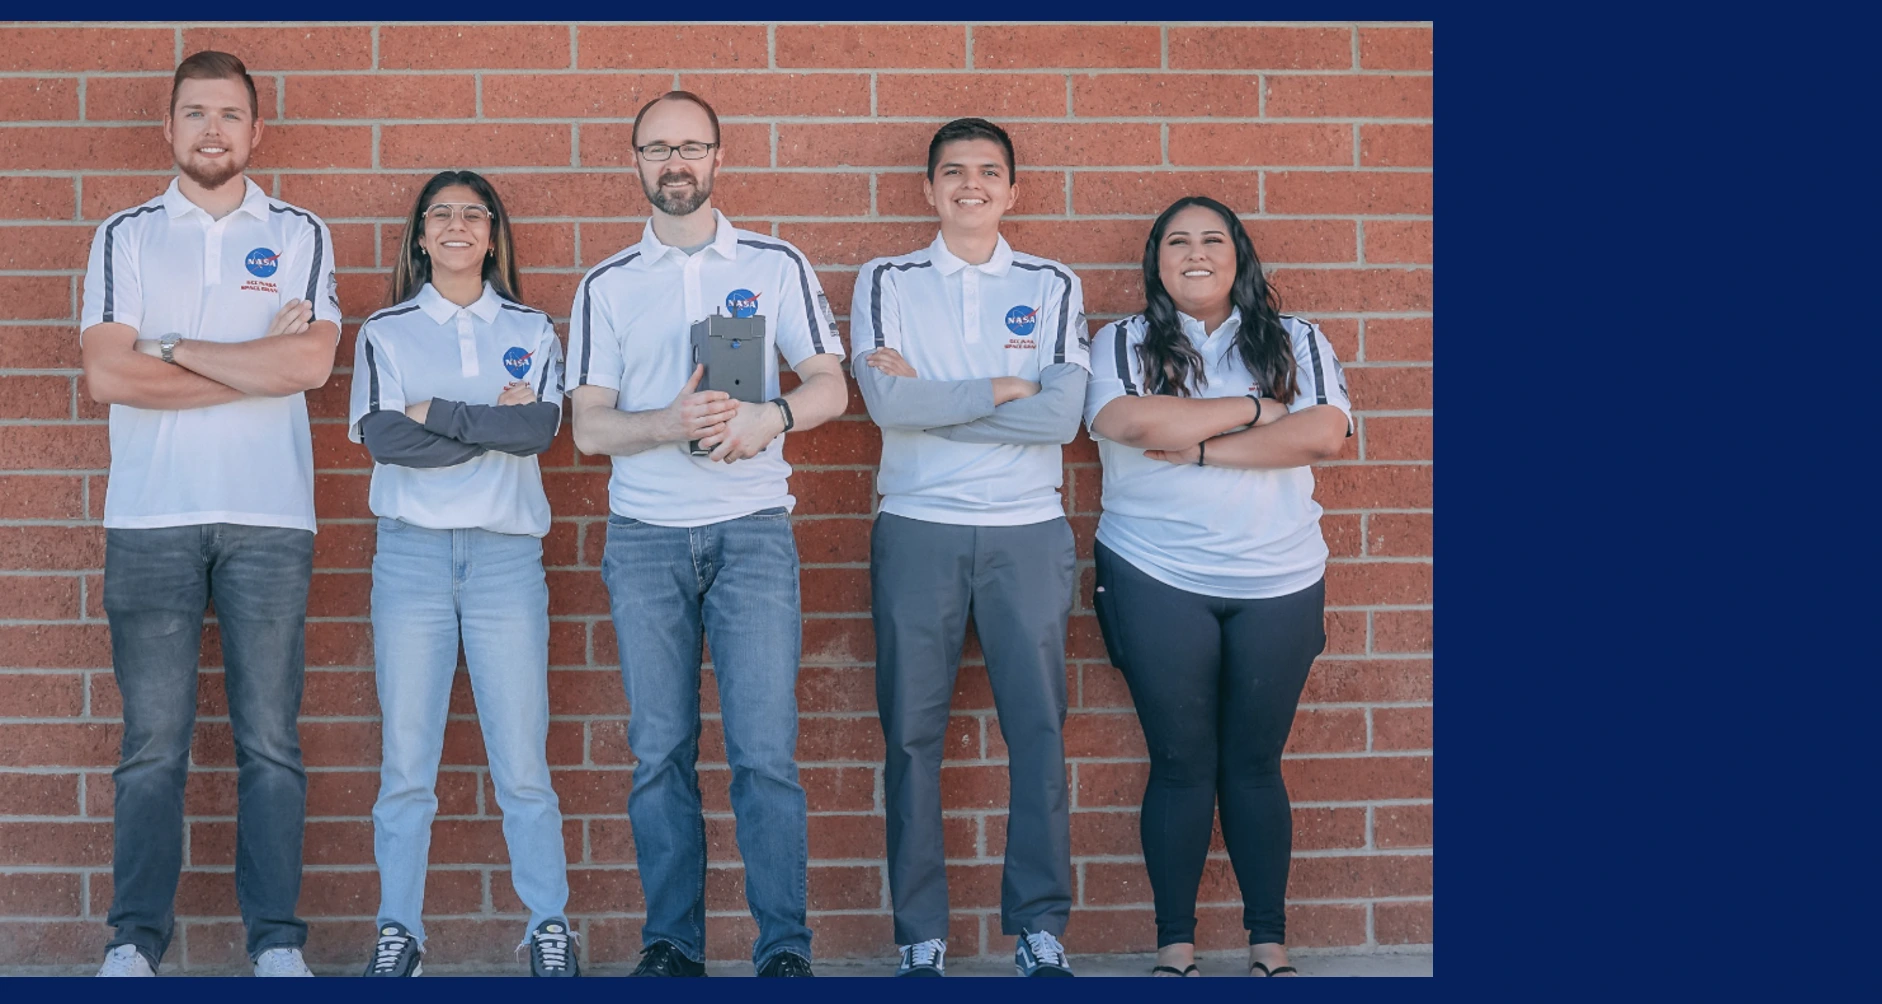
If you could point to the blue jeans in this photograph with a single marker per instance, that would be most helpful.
(736, 581)
(428, 588)
(157, 584)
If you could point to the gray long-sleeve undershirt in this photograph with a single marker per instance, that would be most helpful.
(963, 410)
(393, 438)
(522, 430)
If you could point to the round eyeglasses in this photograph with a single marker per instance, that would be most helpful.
(472, 213)
(663, 151)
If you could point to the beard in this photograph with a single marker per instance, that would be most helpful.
(212, 176)
(673, 203)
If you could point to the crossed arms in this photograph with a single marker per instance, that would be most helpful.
(294, 355)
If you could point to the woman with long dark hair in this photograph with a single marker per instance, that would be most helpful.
(456, 387)
(1208, 408)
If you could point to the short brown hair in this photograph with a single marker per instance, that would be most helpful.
(676, 96)
(212, 65)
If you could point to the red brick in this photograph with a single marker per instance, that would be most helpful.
(1328, 730)
(1109, 785)
(764, 193)
(1395, 145)
(1390, 388)
(40, 894)
(704, 46)
(36, 198)
(1222, 48)
(55, 646)
(1406, 438)
(1395, 48)
(1085, 144)
(1366, 193)
(40, 695)
(60, 148)
(1397, 826)
(1360, 876)
(997, 96)
(473, 46)
(781, 93)
(866, 144)
(1342, 535)
(1405, 242)
(1398, 339)
(1079, 242)
(1000, 47)
(147, 99)
(1371, 95)
(1308, 290)
(451, 146)
(746, 144)
(52, 942)
(108, 194)
(1401, 728)
(1103, 735)
(1180, 95)
(385, 195)
(382, 96)
(38, 99)
(1402, 923)
(320, 146)
(1354, 680)
(301, 48)
(1376, 583)
(67, 49)
(39, 795)
(564, 95)
(34, 397)
(1358, 779)
(828, 46)
(1398, 534)
(74, 843)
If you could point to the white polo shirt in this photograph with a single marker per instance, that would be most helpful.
(429, 347)
(629, 331)
(167, 266)
(1013, 315)
(1213, 530)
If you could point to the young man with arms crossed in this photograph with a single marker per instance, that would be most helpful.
(209, 312)
(703, 543)
(973, 358)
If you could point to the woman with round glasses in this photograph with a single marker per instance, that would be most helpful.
(456, 388)
(1208, 408)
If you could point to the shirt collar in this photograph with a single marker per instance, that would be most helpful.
(724, 241)
(949, 263)
(441, 310)
(1226, 333)
(254, 200)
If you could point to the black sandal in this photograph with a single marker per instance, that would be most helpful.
(1172, 970)
(1277, 972)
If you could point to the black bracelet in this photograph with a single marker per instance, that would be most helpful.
(1257, 401)
(786, 409)
(1201, 451)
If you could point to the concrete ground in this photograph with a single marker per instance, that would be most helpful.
(1211, 964)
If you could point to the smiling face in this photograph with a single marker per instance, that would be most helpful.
(211, 130)
(972, 187)
(454, 244)
(677, 186)
(1196, 261)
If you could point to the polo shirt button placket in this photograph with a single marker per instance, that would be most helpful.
(466, 343)
(970, 304)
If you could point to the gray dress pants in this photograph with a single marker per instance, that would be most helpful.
(1016, 582)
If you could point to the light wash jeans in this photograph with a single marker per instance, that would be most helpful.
(735, 580)
(426, 586)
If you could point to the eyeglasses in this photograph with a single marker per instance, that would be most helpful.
(472, 213)
(662, 151)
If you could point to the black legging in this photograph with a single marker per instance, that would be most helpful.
(1215, 682)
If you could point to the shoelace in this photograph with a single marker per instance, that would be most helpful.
(926, 953)
(386, 954)
(1046, 948)
(554, 949)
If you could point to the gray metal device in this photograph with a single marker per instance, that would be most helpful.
(734, 352)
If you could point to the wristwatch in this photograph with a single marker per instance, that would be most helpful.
(167, 346)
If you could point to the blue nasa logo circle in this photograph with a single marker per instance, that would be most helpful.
(516, 360)
(742, 302)
(1020, 320)
(262, 262)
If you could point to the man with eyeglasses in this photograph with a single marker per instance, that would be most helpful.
(704, 543)
(209, 312)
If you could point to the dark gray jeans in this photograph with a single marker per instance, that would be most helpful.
(158, 583)
(1016, 582)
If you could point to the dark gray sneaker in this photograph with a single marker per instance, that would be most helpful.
(664, 958)
(551, 950)
(1038, 953)
(786, 964)
(395, 954)
(924, 958)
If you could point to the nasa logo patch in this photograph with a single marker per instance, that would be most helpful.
(742, 302)
(262, 262)
(516, 360)
(1020, 320)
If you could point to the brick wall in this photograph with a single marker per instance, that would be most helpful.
(1320, 134)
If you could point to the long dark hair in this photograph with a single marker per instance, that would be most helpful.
(1168, 357)
(413, 269)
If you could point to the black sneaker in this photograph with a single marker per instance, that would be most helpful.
(664, 958)
(396, 953)
(1038, 953)
(923, 958)
(550, 951)
(786, 964)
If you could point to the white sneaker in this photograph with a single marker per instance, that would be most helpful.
(125, 960)
(282, 962)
